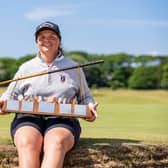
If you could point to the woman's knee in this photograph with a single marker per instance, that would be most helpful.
(57, 144)
(59, 141)
(24, 139)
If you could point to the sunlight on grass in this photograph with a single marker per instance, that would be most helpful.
(123, 114)
(138, 115)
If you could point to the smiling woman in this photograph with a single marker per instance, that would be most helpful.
(47, 42)
(51, 136)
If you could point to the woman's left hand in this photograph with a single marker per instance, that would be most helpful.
(94, 115)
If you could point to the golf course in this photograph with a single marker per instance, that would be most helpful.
(131, 131)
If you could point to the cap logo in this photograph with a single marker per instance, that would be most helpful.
(47, 25)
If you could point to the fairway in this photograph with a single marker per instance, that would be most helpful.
(130, 116)
(124, 115)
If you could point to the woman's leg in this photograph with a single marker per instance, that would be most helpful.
(57, 142)
(28, 141)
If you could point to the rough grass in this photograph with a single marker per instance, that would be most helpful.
(102, 153)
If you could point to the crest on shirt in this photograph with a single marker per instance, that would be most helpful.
(62, 78)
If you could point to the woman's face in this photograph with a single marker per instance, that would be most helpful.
(48, 42)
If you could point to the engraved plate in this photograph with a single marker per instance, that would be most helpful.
(80, 110)
(65, 108)
(46, 107)
(12, 105)
(27, 106)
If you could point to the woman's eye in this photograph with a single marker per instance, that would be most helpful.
(52, 38)
(41, 38)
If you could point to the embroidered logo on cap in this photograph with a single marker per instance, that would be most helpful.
(47, 25)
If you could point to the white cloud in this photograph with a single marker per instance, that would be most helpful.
(43, 13)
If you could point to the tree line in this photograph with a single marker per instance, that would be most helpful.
(118, 70)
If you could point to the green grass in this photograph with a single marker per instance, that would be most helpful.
(124, 115)
(137, 116)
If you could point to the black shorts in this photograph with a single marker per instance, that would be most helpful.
(45, 123)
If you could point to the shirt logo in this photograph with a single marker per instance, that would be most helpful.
(62, 78)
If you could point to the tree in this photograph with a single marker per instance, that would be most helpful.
(94, 77)
(144, 78)
(120, 77)
(25, 58)
(144, 60)
(78, 56)
(6, 64)
(164, 80)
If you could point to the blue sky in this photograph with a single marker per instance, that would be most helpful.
(94, 26)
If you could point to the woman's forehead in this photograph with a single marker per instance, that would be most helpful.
(47, 32)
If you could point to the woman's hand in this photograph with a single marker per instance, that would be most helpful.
(1, 105)
(93, 110)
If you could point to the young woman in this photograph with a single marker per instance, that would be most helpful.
(43, 141)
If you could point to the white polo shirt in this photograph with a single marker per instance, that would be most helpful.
(62, 85)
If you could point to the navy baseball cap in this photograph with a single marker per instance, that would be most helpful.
(48, 26)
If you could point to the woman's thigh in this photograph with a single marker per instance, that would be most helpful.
(70, 125)
(59, 138)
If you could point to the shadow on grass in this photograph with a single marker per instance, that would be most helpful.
(96, 152)
(102, 153)
(105, 141)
